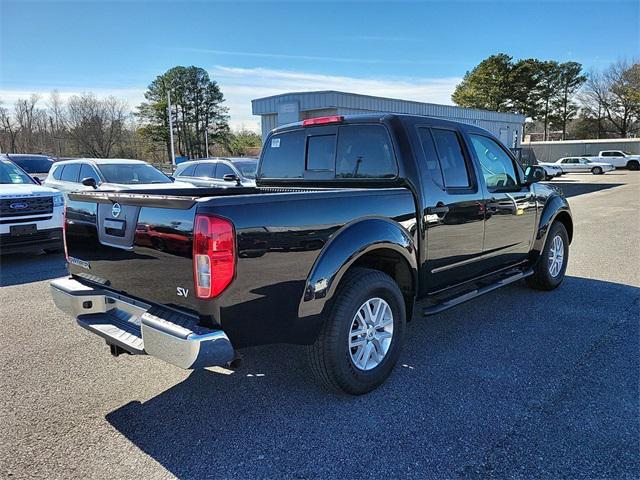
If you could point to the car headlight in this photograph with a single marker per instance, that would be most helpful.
(58, 201)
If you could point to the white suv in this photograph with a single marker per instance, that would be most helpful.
(30, 214)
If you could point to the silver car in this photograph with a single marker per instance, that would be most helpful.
(583, 164)
(219, 171)
(107, 174)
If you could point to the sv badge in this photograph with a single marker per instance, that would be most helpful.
(182, 292)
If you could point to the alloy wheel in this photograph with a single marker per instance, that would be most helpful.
(371, 333)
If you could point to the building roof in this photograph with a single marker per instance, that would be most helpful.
(335, 99)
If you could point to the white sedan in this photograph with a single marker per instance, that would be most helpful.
(583, 164)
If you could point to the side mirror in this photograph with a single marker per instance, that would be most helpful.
(232, 177)
(89, 182)
(533, 174)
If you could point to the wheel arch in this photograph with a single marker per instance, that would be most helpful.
(376, 243)
(556, 209)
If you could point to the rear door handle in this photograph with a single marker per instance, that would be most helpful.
(439, 210)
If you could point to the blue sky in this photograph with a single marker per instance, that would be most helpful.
(416, 50)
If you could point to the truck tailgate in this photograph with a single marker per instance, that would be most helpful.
(140, 245)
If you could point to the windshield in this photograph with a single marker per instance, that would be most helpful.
(247, 168)
(132, 173)
(10, 174)
(33, 164)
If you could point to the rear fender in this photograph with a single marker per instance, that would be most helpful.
(347, 245)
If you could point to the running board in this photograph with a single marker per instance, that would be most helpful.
(452, 302)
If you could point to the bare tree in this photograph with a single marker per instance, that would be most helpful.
(95, 125)
(613, 95)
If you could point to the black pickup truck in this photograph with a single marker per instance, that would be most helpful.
(352, 219)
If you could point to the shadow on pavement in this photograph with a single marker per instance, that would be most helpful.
(574, 189)
(519, 377)
(20, 268)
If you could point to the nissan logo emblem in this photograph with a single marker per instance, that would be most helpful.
(116, 209)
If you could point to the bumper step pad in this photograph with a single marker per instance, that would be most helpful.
(117, 328)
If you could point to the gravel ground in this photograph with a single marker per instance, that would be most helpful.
(517, 383)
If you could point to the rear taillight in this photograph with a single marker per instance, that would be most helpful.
(322, 120)
(64, 232)
(214, 259)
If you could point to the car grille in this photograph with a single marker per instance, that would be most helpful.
(19, 207)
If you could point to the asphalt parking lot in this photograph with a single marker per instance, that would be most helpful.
(517, 383)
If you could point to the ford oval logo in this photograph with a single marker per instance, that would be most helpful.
(19, 205)
(115, 210)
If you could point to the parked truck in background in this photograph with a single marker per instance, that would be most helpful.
(619, 159)
(351, 221)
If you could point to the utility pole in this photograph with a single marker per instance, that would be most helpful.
(173, 154)
(206, 141)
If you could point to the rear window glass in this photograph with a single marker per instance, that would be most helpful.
(365, 151)
(283, 155)
(70, 172)
(186, 171)
(57, 172)
(33, 164)
(454, 167)
(321, 152)
(362, 151)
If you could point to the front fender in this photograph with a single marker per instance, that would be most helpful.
(346, 246)
(555, 207)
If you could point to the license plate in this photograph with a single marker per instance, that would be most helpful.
(114, 227)
(19, 230)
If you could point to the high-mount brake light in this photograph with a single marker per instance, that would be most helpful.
(214, 260)
(322, 120)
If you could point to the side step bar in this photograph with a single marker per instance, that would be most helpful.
(452, 302)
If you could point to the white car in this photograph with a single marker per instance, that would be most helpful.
(219, 172)
(584, 164)
(107, 174)
(618, 159)
(30, 214)
(551, 170)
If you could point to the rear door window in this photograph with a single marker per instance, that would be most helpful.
(205, 170)
(365, 151)
(452, 162)
(70, 173)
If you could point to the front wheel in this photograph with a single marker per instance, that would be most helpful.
(552, 265)
(596, 171)
(362, 337)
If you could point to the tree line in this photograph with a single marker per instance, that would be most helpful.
(557, 98)
(87, 126)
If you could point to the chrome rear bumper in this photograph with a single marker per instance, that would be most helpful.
(140, 328)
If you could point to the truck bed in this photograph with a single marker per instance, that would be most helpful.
(279, 233)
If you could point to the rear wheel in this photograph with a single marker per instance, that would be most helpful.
(552, 265)
(361, 339)
(596, 170)
(633, 165)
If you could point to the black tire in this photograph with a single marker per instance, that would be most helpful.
(633, 165)
(542, 279)
(596, 171)
(330, 358)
